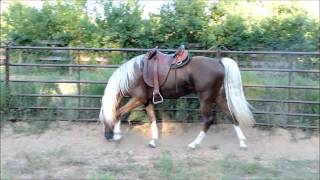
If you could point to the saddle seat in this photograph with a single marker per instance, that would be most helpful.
(157, 66)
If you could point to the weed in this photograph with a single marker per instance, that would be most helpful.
(174, 169)
(35, 162)
(296, 169)
(6, 174)
(34, 127)
(101, 176)
(232, 168)
(166, 165)
(73, 161)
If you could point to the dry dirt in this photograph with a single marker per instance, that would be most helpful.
(73, 150)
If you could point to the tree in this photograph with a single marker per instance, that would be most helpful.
(182, 21)
(238, 25)
(121, 25)
(252, 25)
(64, 21)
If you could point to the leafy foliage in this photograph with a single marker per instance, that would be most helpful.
(239, 25)
(181, 22)
(58, 21)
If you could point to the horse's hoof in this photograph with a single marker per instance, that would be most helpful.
(243, 145)
(192, 145)
(117, 138)
(152, 144)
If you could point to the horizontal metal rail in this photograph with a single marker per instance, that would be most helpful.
(281, 70)
(286, 126)
(92, 108)
(287, 114)
(65, 65)
(284, 101)
(280, 86)
(161, 109)
(60, 81)
(117, 66)
(165, 50)
(58, 95)
(104, 82)
(132, 122)
(100, 96)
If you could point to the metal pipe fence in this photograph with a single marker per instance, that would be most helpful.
(7, 81)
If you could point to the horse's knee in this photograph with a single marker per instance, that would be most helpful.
(208, 122)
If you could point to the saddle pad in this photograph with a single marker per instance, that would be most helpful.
(163, 69)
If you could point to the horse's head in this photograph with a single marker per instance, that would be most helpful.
(108, 131)
(126, 76)
(107, 126)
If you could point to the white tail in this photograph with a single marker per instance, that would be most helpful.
(236, 100)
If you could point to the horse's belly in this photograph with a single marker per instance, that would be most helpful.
(177, 85)
(174, 93)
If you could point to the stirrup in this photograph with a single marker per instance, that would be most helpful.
(154, 100)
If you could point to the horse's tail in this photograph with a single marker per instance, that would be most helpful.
(237, 103)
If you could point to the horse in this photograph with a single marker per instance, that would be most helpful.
(213, 80)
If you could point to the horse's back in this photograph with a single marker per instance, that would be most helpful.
(200, 74)
(213, 64)
(206, 72)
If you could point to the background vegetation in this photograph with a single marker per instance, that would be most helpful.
(238, 25)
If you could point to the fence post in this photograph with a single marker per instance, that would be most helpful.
(78, 85)
(7, 79)
(292, 65)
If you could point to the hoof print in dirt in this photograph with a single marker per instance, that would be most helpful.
(215, 147)
(244, 148)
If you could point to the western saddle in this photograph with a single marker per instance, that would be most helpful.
(157, 66)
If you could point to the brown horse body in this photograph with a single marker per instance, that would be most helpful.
(185, 80)
(202, 75)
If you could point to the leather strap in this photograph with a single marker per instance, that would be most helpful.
(157, 97)
(156, 78)
(175, 80)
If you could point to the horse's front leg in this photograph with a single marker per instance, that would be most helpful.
(131, 104)
(154, 129)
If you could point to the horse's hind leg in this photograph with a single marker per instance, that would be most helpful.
(223, 105)
(206, 102)
(154, 129)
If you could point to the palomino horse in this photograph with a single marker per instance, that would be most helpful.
(214, 81)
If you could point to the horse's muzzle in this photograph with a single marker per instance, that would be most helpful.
(108, 135)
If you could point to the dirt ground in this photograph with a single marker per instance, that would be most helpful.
(74, 150)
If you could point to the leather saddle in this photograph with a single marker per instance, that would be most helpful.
(157, 66)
